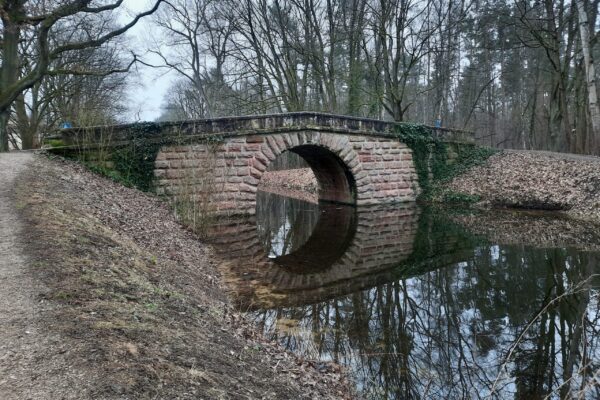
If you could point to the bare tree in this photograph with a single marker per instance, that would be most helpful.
(92, 98)
(590, 72)
(39, 19)
(194, 31)
(513, 71)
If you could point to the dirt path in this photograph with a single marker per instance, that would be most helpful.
(33, 360)
(18, 307)
(21, 338)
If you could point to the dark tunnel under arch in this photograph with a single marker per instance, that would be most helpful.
(336, 182)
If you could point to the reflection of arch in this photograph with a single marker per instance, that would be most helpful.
(319, 243)
(324, 247)
(383, 238)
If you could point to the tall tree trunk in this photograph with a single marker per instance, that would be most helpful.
(10, 61)
(27, 124)
(355, 36)
(560, 130)
(590, 72)
(583, 135)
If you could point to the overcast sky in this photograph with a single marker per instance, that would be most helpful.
(149, 87)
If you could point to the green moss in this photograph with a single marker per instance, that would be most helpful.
(109, 173)
(134, 162)
(131, 164)
(55, 142)
(431, 157)
(61, 295)
(468, 156)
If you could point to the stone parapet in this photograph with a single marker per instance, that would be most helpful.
(186, 131)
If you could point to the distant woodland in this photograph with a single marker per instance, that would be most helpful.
(518, 73)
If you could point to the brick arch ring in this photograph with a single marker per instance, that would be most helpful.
(352, 169)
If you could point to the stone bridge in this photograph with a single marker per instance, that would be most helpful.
(221, 161)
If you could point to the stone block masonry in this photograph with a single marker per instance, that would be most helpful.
(351, 169)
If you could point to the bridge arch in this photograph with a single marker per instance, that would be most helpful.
(333, 161)
(351, 169)
(219, 160)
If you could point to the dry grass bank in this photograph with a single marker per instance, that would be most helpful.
(137, 300)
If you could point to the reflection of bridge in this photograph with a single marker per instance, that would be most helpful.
(356, 161)
(372, 241)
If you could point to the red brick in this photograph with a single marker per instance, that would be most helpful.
(259, 164)
(161, 164)
(255, 173)
(174, 173)
(274, 145)
(280, 143)
(255, 139)
(243, 171)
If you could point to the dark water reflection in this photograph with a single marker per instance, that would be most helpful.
(303, 236)
(418, 306)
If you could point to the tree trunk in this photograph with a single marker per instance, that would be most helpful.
(590, 72)
(10, 62)
(580, 112)
(4, 117)
(26, 124)
(559, 122)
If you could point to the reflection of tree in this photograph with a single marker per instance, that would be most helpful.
(558, 347)
(505, 322)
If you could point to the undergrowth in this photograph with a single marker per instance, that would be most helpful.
(134, 163)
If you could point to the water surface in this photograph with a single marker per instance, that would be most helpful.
(422, 304)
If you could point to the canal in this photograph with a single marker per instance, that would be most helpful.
(421, 303)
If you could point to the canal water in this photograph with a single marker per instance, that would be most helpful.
(424, 304)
